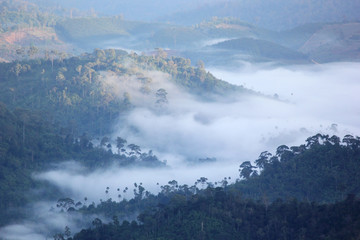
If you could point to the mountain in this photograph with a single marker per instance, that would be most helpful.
(260, 48)
(306, 191)
(139, 10)
(76, 92)
(221, 215)
(273, 14)
(334, 42)
(219, 42)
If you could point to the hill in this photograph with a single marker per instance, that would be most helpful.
(333, 42)
(30, 143)
(260, 48)
(26, 31)
(207, 41)
(281, 201)
(274, 14)
(225, 216)
(76, 92)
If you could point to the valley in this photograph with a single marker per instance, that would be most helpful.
(179, 123)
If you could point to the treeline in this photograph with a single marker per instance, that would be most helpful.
(72, 91)
(223, 215)
(57, 105)
(18, 14)
(324, 169)
(29, 143)
(67, 89)
(294, 194)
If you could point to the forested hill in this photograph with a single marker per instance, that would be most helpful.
(225, 216)
(30, 143)
(302, 192)
(72, 91)
(324, 169)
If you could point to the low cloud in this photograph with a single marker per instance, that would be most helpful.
(43, 222)
(311, 99)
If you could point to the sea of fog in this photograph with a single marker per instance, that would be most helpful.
(309, 99)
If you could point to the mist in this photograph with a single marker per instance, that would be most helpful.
(43, 222)
(309, 100)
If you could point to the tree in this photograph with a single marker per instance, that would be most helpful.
(120, 143)
(97, 223)
(263, 159)
(65, 203)
(103, 141)
(16, 69)
(59, 236)
(161, 96)
(78, 69)
(67, 232)
(127, 99)
(351, 141)
(200, 64)
(246, 169)
(32, 51)
(134, 149)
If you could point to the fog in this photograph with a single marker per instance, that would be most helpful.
(43, 221)
(310, 99)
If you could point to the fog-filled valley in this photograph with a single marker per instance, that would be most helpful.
(179, 120)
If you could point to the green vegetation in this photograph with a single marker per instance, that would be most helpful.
(67, 90)
(17, 14)
(30, 143)
(65, 102)
(323, 170)
(294, 196)
(221, 215)
(84, 28)
(72, 91)
(91, 31)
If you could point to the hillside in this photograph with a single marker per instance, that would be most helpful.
(76, 94)
(276, 15)
(306, 191)
(333, 42)
(260, 48)
(30, 143)
(272, 14)
(222, 215)
(112, 127)
(27, 32)
(206, 41)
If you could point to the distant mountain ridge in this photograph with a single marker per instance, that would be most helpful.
(272, 14)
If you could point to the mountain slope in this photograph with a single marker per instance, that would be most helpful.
(260, 48)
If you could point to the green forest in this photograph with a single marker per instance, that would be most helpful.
(84, 88)
(53, 108)
(72, 92)
(270, 200)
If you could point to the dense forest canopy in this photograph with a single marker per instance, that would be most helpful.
(262, 204)
(73, 91)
